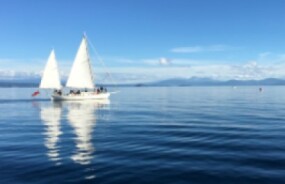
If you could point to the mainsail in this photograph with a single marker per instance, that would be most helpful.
(81, 75)
(50, 78)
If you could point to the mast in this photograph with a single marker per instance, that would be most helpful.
(89, 60)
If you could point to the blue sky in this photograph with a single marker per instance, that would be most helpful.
(144, 40)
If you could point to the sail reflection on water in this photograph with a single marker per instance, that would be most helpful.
(82, 117)
(50, 116)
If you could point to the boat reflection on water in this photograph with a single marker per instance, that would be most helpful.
(82, 117)
(51, 116)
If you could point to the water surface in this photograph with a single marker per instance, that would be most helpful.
(145, 135)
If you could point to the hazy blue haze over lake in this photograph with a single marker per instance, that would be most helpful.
(145, 135)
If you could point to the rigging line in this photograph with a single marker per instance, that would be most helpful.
(101, 61)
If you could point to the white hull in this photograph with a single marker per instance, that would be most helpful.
(82, 96)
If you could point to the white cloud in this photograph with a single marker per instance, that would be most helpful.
(164, 61)
(250, 70)
(265, 65)
(115, 59)
(194, 49)
(150, 62)
(187, 49)
(264, 55)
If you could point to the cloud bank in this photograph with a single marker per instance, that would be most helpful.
(125, 70)
(248, 71)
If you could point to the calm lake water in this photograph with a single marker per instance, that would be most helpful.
(145, 135)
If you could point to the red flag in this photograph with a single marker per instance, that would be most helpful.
(35, 93)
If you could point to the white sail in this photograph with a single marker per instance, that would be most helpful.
(50, 78)
(81, 75)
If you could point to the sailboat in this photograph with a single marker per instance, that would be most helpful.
(80, 77)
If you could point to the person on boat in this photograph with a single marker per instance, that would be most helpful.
(78, 92)
(57, 92)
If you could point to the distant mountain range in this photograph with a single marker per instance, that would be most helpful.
(194, 81)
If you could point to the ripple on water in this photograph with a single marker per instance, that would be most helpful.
(146, 135)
